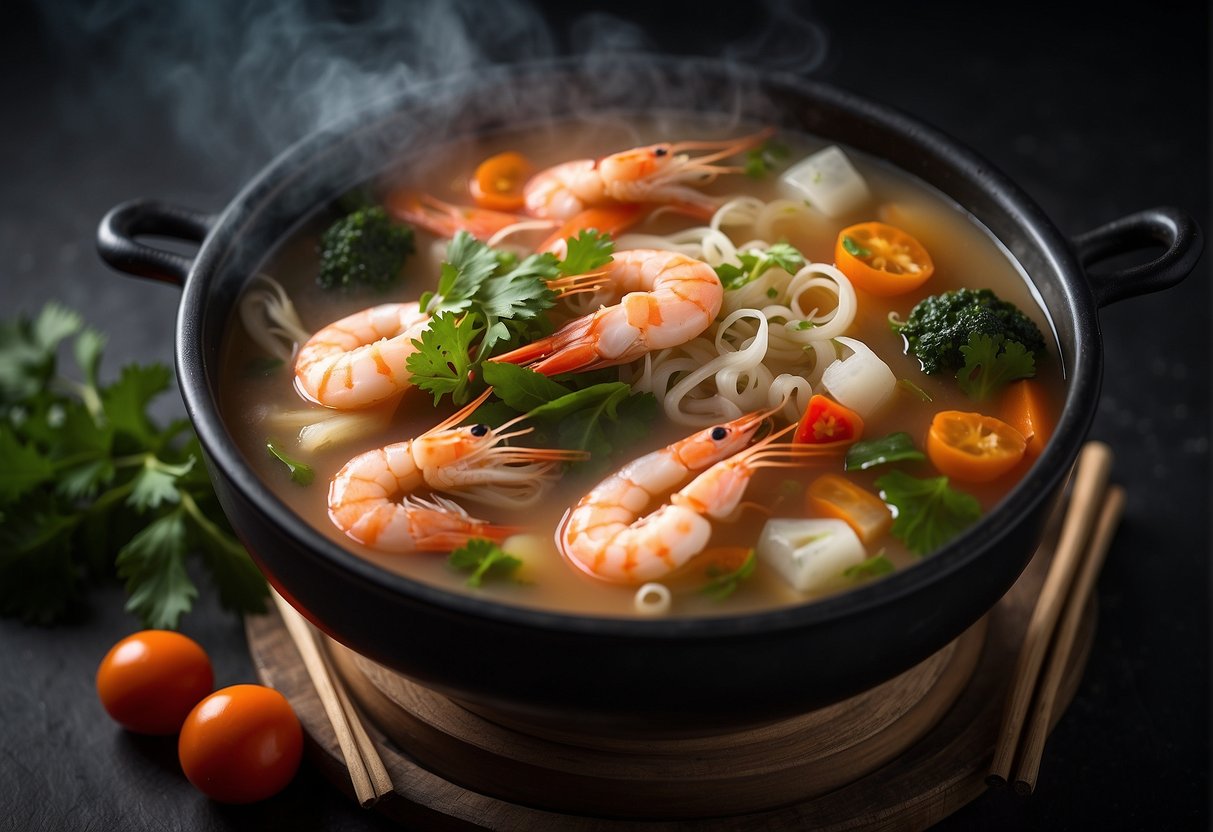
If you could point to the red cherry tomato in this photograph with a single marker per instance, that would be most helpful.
(149, 681)
(241, 744)
(825, 420)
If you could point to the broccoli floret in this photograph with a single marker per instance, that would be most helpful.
(940, 325)
(363, 248)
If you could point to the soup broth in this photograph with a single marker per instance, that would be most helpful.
(261, 403)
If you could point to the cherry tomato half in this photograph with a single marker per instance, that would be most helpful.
(149, 681)
(241, 744)
(972, 447)
(882, 259)
(499, 180)
(825, 420)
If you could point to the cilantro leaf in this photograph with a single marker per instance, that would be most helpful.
(878, 564)
(23, 469)
(485, 559)
(756, 262)
(153, 566)
(521, 388)
(301, 473)
(723, 584)
(156, 483)
(442, 364)
(126, 400)
(853, 248)
(868, 453)
(240, 584)
(589, 250)
(991, 362)
(929, 511)
(469, 263)
(763, 159)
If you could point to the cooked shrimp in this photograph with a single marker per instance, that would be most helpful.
(657, 173)
(606, 535)
(371, 497)
(667, 299)
(358, 361)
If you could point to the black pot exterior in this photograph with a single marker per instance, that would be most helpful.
(677, 671)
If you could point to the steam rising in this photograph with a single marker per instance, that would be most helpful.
(242, 80)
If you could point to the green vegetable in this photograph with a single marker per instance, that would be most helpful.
(485, 294)
(600, 418)
(919, 393)
(483, 558)
(755, 262)
(765, 158)
(868, 453)
(301, 472)
(363, 248)
(939, 326)
(878, 564)
(929, 511)
(991, 363)
(722, 583)
(855, 249)
(91, 485)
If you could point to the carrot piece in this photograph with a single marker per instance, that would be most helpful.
(1024, 408)
(609, 219)
(863, 511)
(972, 447)
(499, 181)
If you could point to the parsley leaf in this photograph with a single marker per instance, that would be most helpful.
(723, 584)
(868, 453)
(153, 566)
(23, 468)
(156, 483)
(126, 400)
(485, 559)
(301, 472)
(929, 511)
(991, 362)
(763, 159)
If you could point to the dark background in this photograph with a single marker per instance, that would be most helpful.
(1095, 112)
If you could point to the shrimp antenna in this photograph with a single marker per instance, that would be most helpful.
(461, 414)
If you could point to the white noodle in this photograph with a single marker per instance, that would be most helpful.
(270, 319)
(653, 599)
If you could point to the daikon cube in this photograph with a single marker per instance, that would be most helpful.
(861, 381)
(811, 554)
(828, 181)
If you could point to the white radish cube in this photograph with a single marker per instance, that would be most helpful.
(861, 381)
(828, 181)
(811, 555)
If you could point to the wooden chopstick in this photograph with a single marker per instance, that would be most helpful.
(1059, 660)
(1090, 481)
(355, 745)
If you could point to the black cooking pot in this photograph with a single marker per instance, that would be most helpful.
(696, 671)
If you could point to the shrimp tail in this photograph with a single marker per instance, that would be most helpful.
(565, 351)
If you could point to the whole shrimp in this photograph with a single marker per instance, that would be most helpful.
(606, 535)
(359, 361)
(371, 497)
(657, 173)
(667, 299)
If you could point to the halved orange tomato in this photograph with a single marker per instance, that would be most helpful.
(972, 447)
(882, 259)
(499, 181)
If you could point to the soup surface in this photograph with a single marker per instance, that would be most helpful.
(262, 404)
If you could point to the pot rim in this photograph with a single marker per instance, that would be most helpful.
(1082, 386)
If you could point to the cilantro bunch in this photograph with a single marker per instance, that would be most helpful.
(486, 302)
(91, 485)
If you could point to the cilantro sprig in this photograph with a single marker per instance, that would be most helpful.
(723, 583)
(756, 262)
(486, 301)
(484, 559)
(764, 159)
(991, 363)
(929, 511)
(91, 485)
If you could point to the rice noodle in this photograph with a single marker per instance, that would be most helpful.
(773, 340)
(270, 319)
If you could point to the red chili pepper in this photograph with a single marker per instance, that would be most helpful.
(825, 420)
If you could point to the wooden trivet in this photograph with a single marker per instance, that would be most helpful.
(894, 757)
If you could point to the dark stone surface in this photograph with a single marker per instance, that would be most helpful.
(1095, 113)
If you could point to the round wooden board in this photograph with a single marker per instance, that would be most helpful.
(934, 772)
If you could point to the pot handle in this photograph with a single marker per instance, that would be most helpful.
(118, 246)
(1172, 227)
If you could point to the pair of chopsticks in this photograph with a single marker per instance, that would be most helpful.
(367, 772)
(1090, 523)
